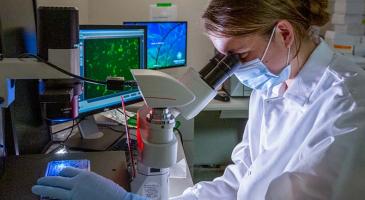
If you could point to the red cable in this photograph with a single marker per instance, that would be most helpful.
(128, 139)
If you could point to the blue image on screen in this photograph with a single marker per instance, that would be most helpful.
(166, 43)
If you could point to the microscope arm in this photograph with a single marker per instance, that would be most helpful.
(25, 68)
(192, 92)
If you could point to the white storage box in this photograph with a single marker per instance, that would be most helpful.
(342, 43)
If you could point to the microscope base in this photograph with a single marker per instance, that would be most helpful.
(152, 183)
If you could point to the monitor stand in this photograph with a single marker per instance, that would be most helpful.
(91, 138)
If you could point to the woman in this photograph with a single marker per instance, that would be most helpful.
(305, 131)
(306, 123)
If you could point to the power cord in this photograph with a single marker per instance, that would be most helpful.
(61, 143)
(112, 128)
(123, 112)
(129, 140)
(53, 133)
(28, 55)
(179, 132)
(70, 133)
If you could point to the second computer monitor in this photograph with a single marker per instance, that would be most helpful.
(166, 43)
(109, 51)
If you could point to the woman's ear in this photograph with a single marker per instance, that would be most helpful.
(285, 33)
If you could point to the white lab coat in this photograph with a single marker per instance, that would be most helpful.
(304, 143)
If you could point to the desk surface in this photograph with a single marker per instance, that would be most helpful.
(235, 104)
(178, 185)
(22, 172)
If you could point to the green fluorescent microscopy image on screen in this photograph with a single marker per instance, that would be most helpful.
(109, 57)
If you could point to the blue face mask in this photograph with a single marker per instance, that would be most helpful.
(255, 74)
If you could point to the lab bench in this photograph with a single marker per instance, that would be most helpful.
(22, 172)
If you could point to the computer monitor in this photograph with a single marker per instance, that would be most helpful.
(109, 50)
(106, 51)
(166, 43)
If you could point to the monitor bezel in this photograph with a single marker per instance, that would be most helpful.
(111, 27)
(92, 27)
(129, 23)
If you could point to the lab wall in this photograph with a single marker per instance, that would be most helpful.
(82, 5)
(200, 49)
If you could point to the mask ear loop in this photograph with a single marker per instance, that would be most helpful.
(287, 60)
(268, 44)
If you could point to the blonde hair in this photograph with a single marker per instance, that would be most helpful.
(229, 18)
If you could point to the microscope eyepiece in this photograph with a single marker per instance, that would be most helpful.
(219, 69)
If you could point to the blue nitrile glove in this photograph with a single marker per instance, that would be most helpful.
(77, 184)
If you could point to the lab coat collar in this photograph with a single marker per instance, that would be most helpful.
(308, 77)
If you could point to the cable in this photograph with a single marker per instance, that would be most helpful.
(129, 141)
(28, 55)
(177, 124)
(180, 134)
(123, 113)
(111, 128)
(65, 128)
(69, 135)
(132, 120)
(57, 148)
(47, 146)
(112, 83)
(62, 143)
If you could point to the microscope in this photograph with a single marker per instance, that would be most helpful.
(166, 98)
(58, 46)
(57, 67)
